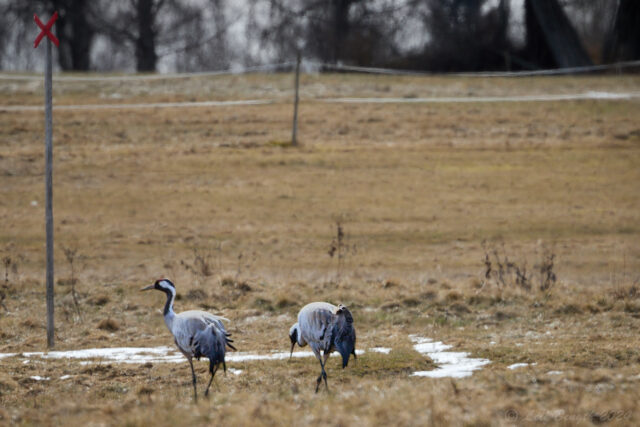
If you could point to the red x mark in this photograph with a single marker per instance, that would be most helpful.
(46, 30)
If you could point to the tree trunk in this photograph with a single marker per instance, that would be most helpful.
(146, 56)
(75, 33)
(551, 39)
(623, 41)
(220, 42)
(340, 11)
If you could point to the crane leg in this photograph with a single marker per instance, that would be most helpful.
(323, 375)
(213, 374)
(193, 379)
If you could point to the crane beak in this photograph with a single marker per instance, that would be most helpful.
(147, 288)
(293, 344)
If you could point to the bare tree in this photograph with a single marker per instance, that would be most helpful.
(74, 28)
(144, 24)
(466, 35)
(203, 44)
(350, 31)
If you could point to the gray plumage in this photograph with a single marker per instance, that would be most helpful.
(196, 333)
(325, 328)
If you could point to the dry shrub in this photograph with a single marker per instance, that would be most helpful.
(285, 302)
(475, 283)
(504, 315)
(31, 323)
(262, 304)
(632, 308)
(227, 281)
(429, 295)
(391, 283)
(593, 309)
(230, 282)
(453, 296)
(483, 300)
(202, 265)
(98, 369)
(505, 272)
(569, 309)
(196, 294)
(99, 300)
(7, 384)
(390, 306)
(109, 324)
(460, 308)
(411, 302)
(145, 391)
(626, 292)
(243, 287)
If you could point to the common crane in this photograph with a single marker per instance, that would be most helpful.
(325, 328)
(196, 333)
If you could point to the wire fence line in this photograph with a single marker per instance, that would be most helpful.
(604, 96)
(595, 96)
(323, 66)
(124, 106)
(281, 66)
(619, 66)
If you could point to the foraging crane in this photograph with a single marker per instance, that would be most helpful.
(196, 333)
(325, 328)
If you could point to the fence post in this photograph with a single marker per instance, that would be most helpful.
(294, 135)
(48, 159)
(49, 193)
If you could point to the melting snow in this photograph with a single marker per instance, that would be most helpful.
(451, 364)
(162, 354)
(520, 365)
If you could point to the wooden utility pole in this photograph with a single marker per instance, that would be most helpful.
(294, 134)
(48, 176)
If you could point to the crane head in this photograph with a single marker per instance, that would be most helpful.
(163, 285)
(293, 336)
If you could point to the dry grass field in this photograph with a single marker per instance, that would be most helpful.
(507, 230)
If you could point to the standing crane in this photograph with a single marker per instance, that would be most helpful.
(196, 333)
(325, 328)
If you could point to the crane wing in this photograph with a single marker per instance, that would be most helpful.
(316, 325)
(210, 342)
(189, 323)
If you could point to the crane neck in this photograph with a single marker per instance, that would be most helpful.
(168, 312)
(168, 306)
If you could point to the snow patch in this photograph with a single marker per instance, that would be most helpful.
(162, 354)
(451, 364)
(39, 378)
(520, 365)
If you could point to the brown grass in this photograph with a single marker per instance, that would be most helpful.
(243, 226)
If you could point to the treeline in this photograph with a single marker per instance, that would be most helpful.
(430, 35)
